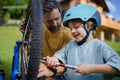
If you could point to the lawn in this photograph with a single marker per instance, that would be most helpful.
(8, 37)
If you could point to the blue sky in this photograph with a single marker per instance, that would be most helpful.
(114, 7)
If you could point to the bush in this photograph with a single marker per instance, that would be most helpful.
(6, 16)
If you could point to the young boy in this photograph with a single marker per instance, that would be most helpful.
(94, 59)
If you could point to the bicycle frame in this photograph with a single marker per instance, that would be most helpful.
(15, 74)
(2, 75)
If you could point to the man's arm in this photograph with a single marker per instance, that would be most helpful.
(60, 70)
(46, 71)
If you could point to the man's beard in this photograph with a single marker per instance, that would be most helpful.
(54, 29)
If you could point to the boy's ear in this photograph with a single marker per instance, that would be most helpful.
(89, 24)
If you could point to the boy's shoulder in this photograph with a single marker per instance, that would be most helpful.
(99, 42)
(72, 43)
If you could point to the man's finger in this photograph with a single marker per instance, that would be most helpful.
(41, 73)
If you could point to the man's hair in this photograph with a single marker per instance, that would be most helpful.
(49, 5)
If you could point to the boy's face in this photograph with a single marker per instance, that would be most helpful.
(53, 20)
(77, 29)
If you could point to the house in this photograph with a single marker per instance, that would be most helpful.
(110, 28)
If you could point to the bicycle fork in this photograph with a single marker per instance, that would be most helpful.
(15, 75)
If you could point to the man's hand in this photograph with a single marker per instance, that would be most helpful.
(22, 26)
(44, 71)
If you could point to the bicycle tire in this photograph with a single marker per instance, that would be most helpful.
(36, 41)
(35, 13)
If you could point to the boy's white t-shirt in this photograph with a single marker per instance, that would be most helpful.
(93, 52)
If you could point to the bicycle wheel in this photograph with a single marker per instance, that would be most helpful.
(32, 39)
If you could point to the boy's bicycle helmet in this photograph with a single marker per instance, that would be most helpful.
(84, 12)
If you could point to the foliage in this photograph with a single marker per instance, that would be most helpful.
(15, 13)
(13, 2)
(6, 16)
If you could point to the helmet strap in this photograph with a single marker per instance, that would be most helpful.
(87, 33)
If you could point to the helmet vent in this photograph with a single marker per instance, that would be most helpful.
(67, 15)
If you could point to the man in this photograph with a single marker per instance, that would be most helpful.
(56, 36)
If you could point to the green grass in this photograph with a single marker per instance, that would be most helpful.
(8, 37)
(114, 45)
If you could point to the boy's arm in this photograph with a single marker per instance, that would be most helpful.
(96, 68)
(105, 69)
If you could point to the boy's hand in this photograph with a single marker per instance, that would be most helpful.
(84, 69)
(52, 61)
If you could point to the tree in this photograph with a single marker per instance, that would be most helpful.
(7, 11)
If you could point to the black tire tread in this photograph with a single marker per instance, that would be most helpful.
(36, 40)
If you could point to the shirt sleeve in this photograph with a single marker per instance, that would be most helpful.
(111, 57)
(62, 55)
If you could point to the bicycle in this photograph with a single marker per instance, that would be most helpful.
(2, 75)
(26, 63)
